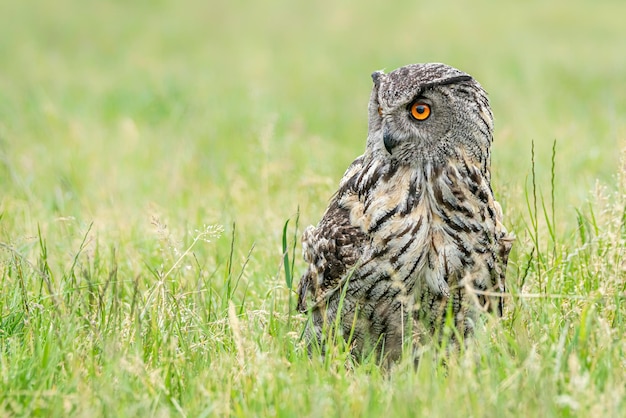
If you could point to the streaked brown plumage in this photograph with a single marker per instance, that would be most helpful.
(414, 226)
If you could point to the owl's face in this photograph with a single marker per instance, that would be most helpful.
(429, 112)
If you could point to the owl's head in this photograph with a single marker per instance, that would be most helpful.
(429, 112)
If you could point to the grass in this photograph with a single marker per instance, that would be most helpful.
(152, 152)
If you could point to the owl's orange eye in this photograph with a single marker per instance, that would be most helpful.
(380, 111)
(420, 110)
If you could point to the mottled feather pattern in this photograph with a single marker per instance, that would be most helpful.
(409, 233)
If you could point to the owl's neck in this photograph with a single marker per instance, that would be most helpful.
(378, 170)
(436, 154)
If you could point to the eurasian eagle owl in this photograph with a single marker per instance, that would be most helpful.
(413, 233)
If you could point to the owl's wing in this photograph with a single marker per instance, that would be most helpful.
(333, 247)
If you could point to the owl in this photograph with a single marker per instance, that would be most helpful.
(413, 238)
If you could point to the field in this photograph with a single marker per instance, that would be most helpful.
(152, 152)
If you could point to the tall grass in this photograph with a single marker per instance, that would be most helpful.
(152, 153)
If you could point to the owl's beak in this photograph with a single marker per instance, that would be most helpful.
(389, 141)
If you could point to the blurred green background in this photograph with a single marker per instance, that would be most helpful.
(241, 111)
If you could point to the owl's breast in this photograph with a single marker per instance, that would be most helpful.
(421, 225)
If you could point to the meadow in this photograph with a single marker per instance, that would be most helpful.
(151, 154)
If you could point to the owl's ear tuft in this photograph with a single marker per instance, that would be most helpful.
(376, 77)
